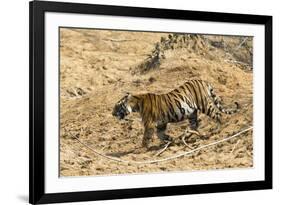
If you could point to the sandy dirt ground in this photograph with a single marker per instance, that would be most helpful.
(97, 67)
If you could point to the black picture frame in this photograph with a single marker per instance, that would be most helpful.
(37, 10)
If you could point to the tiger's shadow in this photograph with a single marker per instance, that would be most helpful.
(120, 154)
(140, 150)
(136, 151)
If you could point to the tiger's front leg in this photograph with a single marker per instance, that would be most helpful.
(148, 133)
(161, 128)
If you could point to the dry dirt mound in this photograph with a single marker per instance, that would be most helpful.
(240, 54)
(98, 67)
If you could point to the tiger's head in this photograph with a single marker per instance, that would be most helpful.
(125, 106)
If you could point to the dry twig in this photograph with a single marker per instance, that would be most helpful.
(162, 150)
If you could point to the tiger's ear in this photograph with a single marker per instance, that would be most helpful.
(127, 94)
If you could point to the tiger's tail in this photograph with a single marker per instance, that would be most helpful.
(218, 104)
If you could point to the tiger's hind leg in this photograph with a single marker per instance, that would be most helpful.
(193, 124)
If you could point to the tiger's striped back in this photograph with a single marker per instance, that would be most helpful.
(181, 102)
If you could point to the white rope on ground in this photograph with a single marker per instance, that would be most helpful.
(164, 159)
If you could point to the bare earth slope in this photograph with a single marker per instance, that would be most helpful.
(97, 68)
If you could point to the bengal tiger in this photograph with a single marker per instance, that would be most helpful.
(182, 103)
